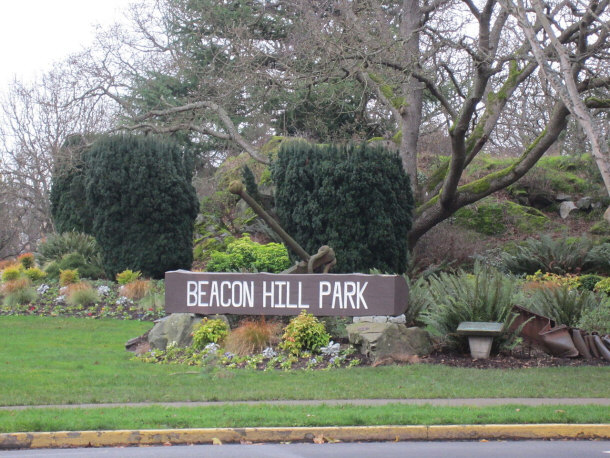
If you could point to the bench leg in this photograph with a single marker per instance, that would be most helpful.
(480, 347)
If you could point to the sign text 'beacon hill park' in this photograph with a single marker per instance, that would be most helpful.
(210, 293)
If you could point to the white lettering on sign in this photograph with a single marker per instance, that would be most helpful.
(278, 294)
(275, 294)
(227, 294)
(342, 294)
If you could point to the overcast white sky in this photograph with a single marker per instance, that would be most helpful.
(36, 33)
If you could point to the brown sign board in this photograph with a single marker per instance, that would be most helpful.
(209, 293)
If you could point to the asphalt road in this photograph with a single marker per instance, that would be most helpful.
(496, 449)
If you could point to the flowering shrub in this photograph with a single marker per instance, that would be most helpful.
(304, 333)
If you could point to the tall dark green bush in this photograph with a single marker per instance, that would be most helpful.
(144, 203)
(69, 208)
(355, 198)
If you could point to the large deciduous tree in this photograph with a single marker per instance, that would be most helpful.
(463, 69)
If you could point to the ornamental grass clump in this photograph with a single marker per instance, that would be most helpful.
(136, 290)
(253, 336)
(304, 333)
(209, 331)
(487, 295)
(81, 294)
(20, 296)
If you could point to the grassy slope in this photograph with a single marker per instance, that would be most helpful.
(65, 361)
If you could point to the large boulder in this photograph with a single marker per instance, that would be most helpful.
(177, 327)
(389, 340)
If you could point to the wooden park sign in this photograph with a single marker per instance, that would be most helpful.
(209, 293)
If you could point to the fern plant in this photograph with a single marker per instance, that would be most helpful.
(487, 295)
(562, 304)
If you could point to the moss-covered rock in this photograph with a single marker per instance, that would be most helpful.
(491, 217)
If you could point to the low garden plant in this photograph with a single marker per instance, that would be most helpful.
(304, 333)
(209, 331)
(245, 255)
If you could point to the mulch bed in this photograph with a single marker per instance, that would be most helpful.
(516, 360)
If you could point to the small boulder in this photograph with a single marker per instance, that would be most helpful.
(382, 340)
(584, 203)
(177, 327)
(565, 208)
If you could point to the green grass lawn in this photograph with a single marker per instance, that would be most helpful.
(232, 416)
(48, 360)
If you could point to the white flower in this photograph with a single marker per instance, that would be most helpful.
(211, 347)
(42, 289)
(332, 349)
(269, 353)
(123, 301)
(103, 290)
(60, 299)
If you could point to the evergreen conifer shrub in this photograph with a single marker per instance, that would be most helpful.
(355, 198)
(144, 205)
(69, 208)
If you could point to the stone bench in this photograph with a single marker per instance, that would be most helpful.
(480, 336)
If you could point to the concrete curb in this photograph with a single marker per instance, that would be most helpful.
(300, 434)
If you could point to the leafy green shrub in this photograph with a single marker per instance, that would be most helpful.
(244, 254)
(589, 281)
(20, 297)
(12, 273)
(603, 286)
(34, 273)
(356, 199)
(82, 294)
(557, 256)
(74, 261)
(56, 246)
(562, 304)
(486, 295)
(26, 260)
(144, 209)
(68, 276)
(304, 333)
(209, 331)
(127, 276)
(596, 319)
